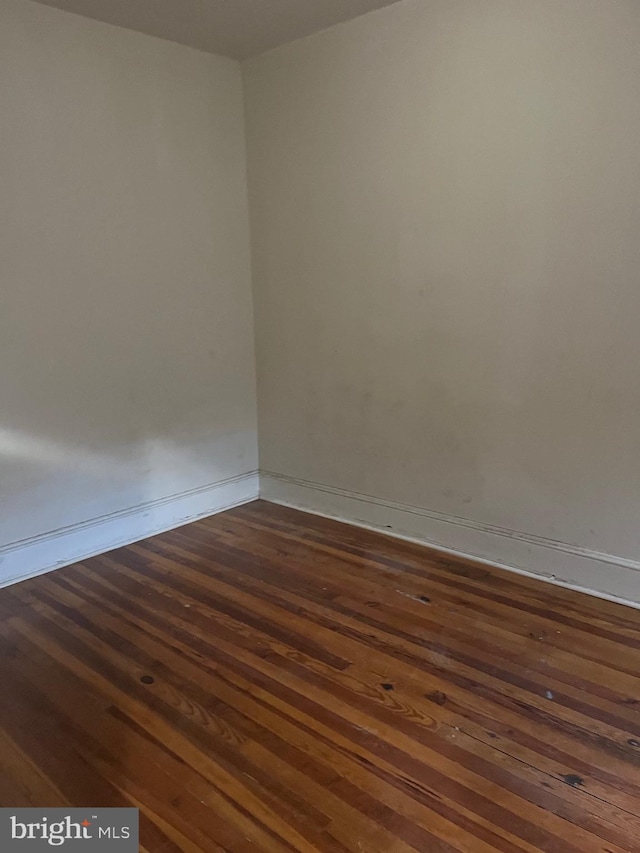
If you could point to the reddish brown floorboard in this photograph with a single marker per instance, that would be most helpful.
(269, 680)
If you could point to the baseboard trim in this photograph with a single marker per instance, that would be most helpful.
(57, 548)
(596, 573)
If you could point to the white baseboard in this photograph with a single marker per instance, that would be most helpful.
(30, 557)
(596, 573)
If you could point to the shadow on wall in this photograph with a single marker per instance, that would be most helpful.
(47, 484)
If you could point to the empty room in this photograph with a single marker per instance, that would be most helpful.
(320, 426)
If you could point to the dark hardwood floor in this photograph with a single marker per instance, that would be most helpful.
(269, 680)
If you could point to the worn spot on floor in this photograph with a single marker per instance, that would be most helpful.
(573, 780)
(537, 635)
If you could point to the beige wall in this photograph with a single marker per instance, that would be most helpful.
(445, 205)
(126, 341)
(446, 208)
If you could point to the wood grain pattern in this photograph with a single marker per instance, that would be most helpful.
(266, 680)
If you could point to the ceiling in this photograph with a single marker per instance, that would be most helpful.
(237, 28)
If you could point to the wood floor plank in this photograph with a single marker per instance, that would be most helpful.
(269, 680)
